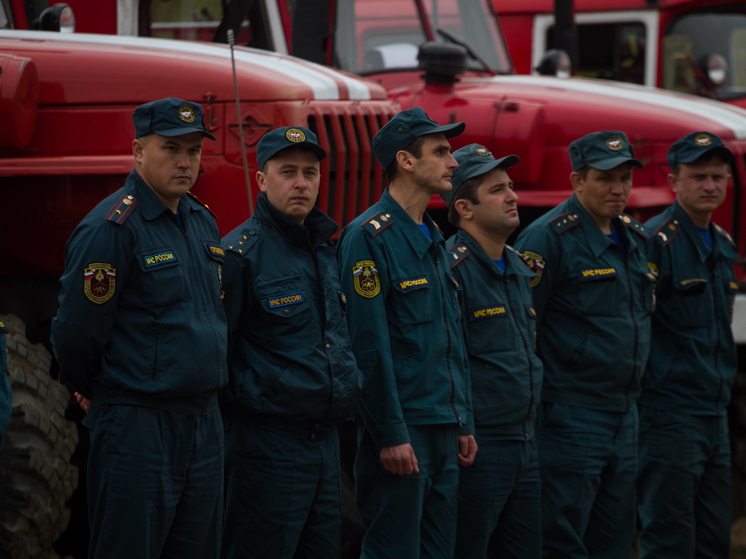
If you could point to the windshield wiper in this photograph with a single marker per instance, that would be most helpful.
(474, 55)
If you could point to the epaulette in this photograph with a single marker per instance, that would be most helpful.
(377, 223)
(634, 225)
(459, 253)
(201, 203)
(666, 232)
(122, 209)
(564, 222)
(519, 255)
(724, 234)
(242, 242)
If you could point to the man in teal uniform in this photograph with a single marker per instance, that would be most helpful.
(499, 507)
(403, 316)
(6, 394)
(593, 296)
(684, 487)
(291, 367)
(141, 336)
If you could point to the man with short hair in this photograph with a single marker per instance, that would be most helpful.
(684, 483)
(499, 507)
(291, 367)
(593, 296)
(403, 316)
(141, 337)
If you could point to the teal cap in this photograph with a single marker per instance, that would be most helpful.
(474, 160)
(695, 145)
(602, 151)
(169, 117)
(279, 139)
(404, 129)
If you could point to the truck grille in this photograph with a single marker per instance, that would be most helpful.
(355, 180)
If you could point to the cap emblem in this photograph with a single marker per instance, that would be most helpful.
(703, 140)
(481, 151)
(295, 135)
(186, 114)
(614, 143)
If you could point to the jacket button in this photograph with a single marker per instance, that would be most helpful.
(287, 312)
(252, 232)
(328, 346)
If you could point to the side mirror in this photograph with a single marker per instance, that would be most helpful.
(59, 17)
(555, 62)
(716, 68)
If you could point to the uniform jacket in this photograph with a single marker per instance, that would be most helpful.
(292, 359)
(140, 318)
(403, 315)
(593, 307)
(499, 327)
(693, 356)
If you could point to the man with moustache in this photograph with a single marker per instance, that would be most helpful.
(499, 507)
(141, 337)
(291, 367)
(593, 296)
(403, 316)
(684, 483)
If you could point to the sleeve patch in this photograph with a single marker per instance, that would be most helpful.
(99, 282)
(377, 223)
(535, 261)
(365, 278)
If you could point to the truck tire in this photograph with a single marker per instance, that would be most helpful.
(36, 477)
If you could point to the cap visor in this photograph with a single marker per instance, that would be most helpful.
(488, 166)
(315, 148)
(183, 132)
(450, 130)
(608, 164)
(722, 151)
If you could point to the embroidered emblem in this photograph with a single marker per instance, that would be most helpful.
(702, 140)
(483, 313)
(159, 259)
(285, 300)
(365, 278)
(653, 269)
(479, 150)
(186, 114)
(99, 282)
(3, 329)
(295, 135)
(691, 282)
(406, 285)
(536, 262)
(614, 143)
(597, 273)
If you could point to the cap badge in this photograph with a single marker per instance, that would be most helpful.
(614, 143)
(703, 140)
(186, 114)
(295, 135)
(481, 151)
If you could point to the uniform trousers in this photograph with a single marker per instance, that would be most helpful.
(409, 516)
(155, 483)
(499, 502)
(283, 493)
(684, 485)
(588, 464)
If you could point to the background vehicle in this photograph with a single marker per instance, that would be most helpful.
(690, 46)
(66, 103)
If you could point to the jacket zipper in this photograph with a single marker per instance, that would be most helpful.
(448, 334)
(528, 357)
(717, 332)
(634, 322)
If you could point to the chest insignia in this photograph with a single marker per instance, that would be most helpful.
(99, 282)
(483, 313)
(406, 285)
(285, 300)
(159, 259)
(535, 261)
(597, 273)
(365, 278)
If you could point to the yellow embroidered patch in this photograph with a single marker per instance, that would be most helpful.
(365, 278)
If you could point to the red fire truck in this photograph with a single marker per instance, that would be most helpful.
(691, 46)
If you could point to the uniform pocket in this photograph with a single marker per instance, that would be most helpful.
(163, 277)
(692, 302)
(597, 291)
(412, 300)
(490, 328)
(286, 318)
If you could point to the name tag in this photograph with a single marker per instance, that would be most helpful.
(691, 282)
(216, 251)
(412, 284)
(483, 313)
(285, 300)
(597, 273)
(160, 258)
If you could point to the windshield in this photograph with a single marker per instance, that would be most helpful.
(380, 35)
(699, 35)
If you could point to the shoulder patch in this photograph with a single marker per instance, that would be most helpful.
(535, 262)
(201, 203)
(242, 242)
(377, 223)
(99, 282)
(3, 329)
(365, 278)
(634, 225)
(723, 233)
(523, 258)
(668, 231)
(459, 253)
(122, 209)
(564, 222)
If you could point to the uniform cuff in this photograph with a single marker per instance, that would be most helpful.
(390, 435)
(468, 427)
